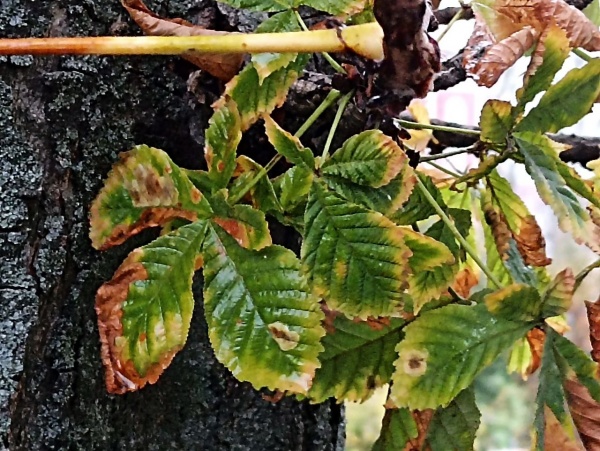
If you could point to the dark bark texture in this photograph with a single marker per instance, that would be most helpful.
(63, 121)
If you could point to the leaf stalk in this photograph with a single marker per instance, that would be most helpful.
(450, 224)
(439, 128)
(364, 39)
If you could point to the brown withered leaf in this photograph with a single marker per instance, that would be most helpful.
(497, 222)
(422, 419)
(223, 66)
(585, 412)
(531, 243)
(120, 376)
(535, 338)
(514, 24)
(593, 314)
(541, 14)
(555, 436)
(500, 56)
(465, 280)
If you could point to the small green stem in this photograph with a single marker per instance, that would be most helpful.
(444, 170)
(581, 54)
(333, 63)
(331, 98)
(455, 19)
(439, 128)
(450, 224)
(444, 155)
(336, 121)
(584, 273)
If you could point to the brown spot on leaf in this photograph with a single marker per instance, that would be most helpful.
(195, 195)
(414, 362)
(286, 339)
(236, 229)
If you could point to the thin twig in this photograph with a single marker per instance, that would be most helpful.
(584, 273)
(336, 121)
(450, 224)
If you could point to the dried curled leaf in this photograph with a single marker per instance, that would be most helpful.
(593, 313)
(505, 29)
(535, 339)
(222, 65)
(585, 412)
(500, 56)
(555, 436)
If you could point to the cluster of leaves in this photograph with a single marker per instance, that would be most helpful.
(386, 289)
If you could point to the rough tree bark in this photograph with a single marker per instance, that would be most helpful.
(63, 121)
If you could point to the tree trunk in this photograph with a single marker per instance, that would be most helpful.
(63, 121)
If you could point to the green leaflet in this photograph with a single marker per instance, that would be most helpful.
(386, 199)
(453, 428)
(566, 102)
(295, 186)
(368, 159)
(355, 258)
(575, 182)
(444, 349)
(267, 63)
(328, 6)
(541, 163)
(144, 189)
(556, 51)
(357, 359)
(144, 312)
(500, 201)
(417, 208)
(263, 323)
(550, 390)
(246, 224)
(592, 12)
(262, 194)
(430, 284)
(397, 429)
(575, 362)
(427, 253)
(336, 7)
(496, 122)
(222, 138)
(558, 297)
(256, 97)
(515, 302)
(288, 145)
(262, 5)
